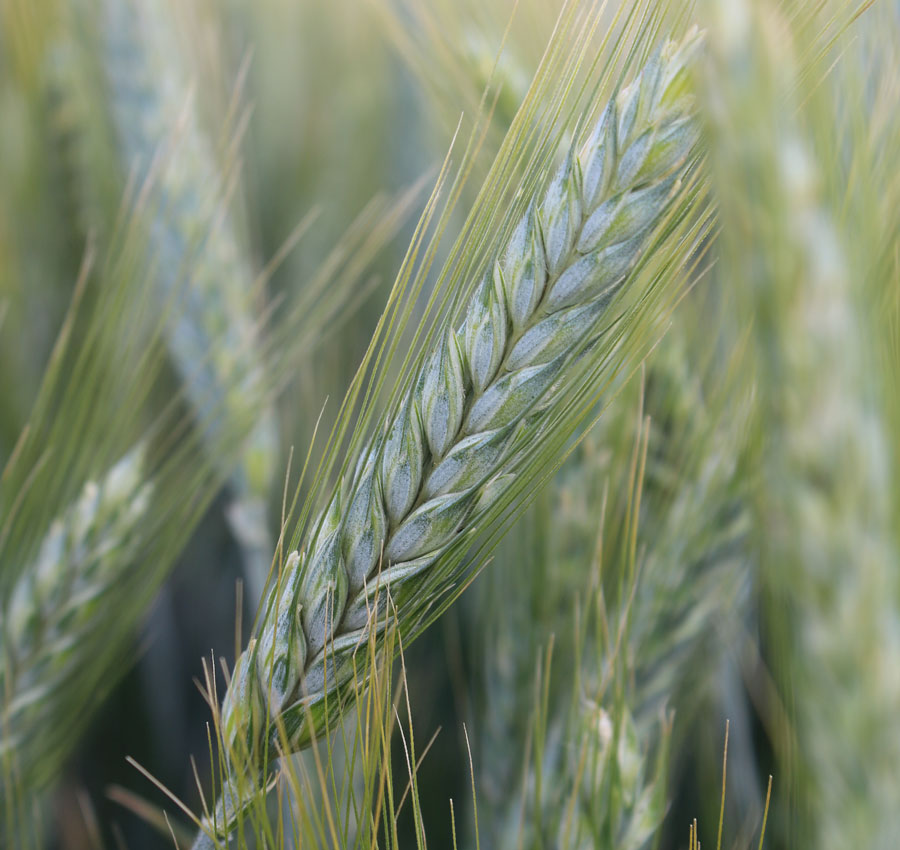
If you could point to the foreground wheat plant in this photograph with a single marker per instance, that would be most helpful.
(477, 404)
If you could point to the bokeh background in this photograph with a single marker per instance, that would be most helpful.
(328, 121)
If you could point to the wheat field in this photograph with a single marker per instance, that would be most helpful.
(450, 424)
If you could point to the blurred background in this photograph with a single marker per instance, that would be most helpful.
(203, 205)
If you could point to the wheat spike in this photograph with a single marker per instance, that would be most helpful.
(824, 510)
(827, 509)
(52, 611)
(212, 334)
(604, 765)
(442, 459)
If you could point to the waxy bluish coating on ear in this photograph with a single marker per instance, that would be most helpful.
(443, 396)
(448, 449)
(486, 332)
(402, 462)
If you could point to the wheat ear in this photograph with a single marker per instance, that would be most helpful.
(604, 765)
(53, 609)
(830, 539)
(212, 333)
(445, 455)
(824, 510)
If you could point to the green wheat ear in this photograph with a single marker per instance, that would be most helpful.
(212, 332)
(470, 419)
(54, 611)
(603, 758)
(824, 510)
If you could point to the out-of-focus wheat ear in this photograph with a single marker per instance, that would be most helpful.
(623, 780)
(824, 512)
(212, 328)
(466, 63)
(665, 615)
(51, 617)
